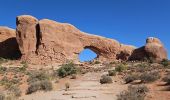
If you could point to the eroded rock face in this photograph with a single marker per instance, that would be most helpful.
(8, 45)
(47, 41)
(26, 34)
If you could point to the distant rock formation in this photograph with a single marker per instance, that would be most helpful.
(47, 41)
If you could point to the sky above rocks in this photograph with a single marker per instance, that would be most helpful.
(128, 21)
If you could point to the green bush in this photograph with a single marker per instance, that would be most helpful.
(165, 62)
(67, 69)
(97, 62)
(120, 68)
(45, 85)
(112, 72)
(149, 77)
(134, 93)
(105, 79)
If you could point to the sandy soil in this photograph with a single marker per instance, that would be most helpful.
(86, 87)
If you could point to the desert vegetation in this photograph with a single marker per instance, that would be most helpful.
(134, 93)
(136, 75)
(39, 80)
(105, 79)
(67, 69)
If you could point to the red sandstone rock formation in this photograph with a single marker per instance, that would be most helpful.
(26, 34)
(47, 41)
(8, 44)
(155, 49)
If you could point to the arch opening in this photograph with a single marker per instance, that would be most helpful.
(87, 55)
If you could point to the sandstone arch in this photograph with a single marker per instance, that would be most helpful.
(46, 41)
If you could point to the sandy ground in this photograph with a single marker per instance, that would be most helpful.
(86, 87)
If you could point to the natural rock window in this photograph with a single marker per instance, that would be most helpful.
(87, 55)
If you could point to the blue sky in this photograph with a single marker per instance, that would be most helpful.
(128, 21)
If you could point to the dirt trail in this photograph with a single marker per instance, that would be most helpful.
(86, 87)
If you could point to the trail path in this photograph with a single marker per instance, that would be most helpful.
(86, 87)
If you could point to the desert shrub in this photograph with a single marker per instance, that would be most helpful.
(67, 69)
(8, 83)
(105, 79)
(97, 62)
(33, 87)
(149, 77)
(45, 85)
(112, 72)
(120, 67)
(145, 59)
(37, 76)
(130, 78)
(112, 62)
(24, 66)
(133, 93)
(167, 79)
(15, 90)
(2, 70)
(4, 81)
(2, 96)
(151, 60)
(39, 80)
(3, 60)
(108, 65)
(165, 62)
(143, 67)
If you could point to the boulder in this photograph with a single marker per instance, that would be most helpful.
(155, 49)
